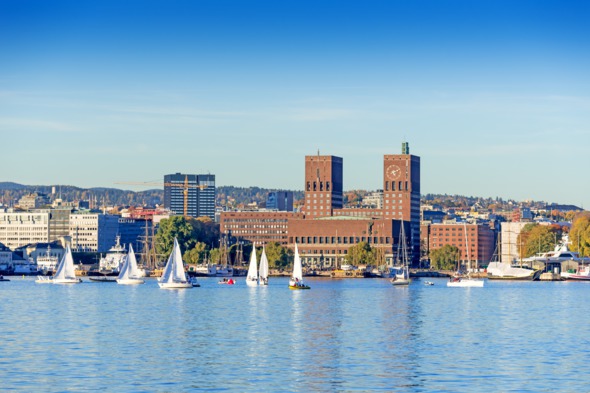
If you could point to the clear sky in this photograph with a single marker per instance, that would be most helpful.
(494, 96)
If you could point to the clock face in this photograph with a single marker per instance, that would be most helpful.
(393, 172)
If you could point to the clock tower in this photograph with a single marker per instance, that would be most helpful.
(401, 193)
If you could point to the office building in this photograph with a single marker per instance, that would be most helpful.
(190, 195)
(280, 200)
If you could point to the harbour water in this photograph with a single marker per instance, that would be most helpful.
(356, 335)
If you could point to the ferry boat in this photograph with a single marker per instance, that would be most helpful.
(110, 264)
(46, 264)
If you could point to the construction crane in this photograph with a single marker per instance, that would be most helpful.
(185, 188)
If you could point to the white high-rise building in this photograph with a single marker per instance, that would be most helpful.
(19, 229)
(93, 232)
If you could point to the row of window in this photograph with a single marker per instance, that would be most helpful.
(341, 240)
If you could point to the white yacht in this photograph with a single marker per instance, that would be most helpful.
(561, 254)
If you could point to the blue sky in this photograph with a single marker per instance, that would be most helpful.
(494, 96)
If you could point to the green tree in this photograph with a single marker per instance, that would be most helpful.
(174, 227)
(279, 257)
(360, 254)
(197, 254)
(445, 258)
(580, 234)
(214, 256)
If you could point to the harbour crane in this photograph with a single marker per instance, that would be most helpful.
(185, 187)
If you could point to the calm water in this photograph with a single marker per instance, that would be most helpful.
(342, 335)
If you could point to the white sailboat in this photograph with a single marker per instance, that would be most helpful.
(66, 271)
(296, 281)
(401, 273)
(130, 274)
(465, 280)
(263, 269)
(173, 276)
(252, 277)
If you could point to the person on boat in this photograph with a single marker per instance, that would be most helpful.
(230, 281)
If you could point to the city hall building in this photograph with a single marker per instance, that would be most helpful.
(324, 230)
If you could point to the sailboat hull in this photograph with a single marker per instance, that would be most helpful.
(400, 281)
(465, 283)
(66, 281)
(130, 281)
(251, 282)
(175, 285)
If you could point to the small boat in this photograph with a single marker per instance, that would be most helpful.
(102, 279)
(66, 271)
(263, 269)
(129, 272)
(3, 279)
(227, 281)
(428, 283)
(252, 276)
(296, 281)
(582, 274)
(174, 276)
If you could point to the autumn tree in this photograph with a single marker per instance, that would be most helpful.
(535, 238)
(580, 234)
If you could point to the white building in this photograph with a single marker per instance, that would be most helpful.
(93, 232)
(19, 229)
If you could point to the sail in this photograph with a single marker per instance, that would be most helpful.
(297, 270)
(133, 271)
(263, 270)
(66, 269)
(174, 270)
(124, 273)
(252, 272)
(129, 268)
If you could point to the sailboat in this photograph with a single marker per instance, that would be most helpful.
(129, 274)
(296, 281)
(252, 277)
(66, 271)
(401, 273)
(173, 276)
(263, 269)
(460, 280)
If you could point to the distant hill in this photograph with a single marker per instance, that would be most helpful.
(11, 192)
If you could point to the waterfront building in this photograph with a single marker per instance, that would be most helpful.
(474, 241)
(93, 232)
(324, 242)
(18, 229)
(190, 195)
(59, 222)
(280, 200)
(131, 231)
(257, 226)
(54, 249)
